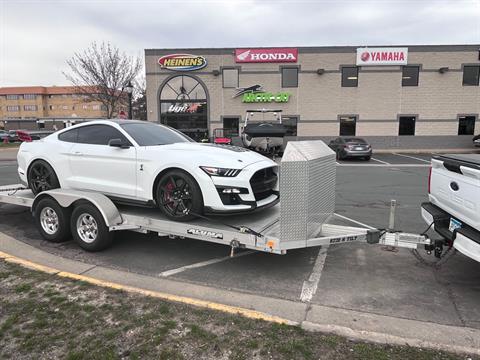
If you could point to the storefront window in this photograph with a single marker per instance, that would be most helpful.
(290, 122)
(183, 106)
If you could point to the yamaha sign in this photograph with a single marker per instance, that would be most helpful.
(382, 56)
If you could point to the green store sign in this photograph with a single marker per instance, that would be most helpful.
(265, 97)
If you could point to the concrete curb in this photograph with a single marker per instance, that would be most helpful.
(352, 324)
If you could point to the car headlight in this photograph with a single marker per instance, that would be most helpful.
(213, 171)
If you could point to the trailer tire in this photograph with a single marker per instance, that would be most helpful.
(89, 229)
(52, 220)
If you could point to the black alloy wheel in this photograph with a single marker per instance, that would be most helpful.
(42, 177)
(179, 196)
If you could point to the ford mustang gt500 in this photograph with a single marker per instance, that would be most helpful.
(145, 163)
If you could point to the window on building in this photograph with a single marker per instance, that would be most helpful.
(290, 122)
(410, 75)
(30, 107)
(95, 107)
(13, 107)
(52, 107)
(349, 76)
(65, 107)
(29, 96)
(230, 78)
(466, 125)
(230, 126)
(406, 125)
(103, 108)
(290, 77)
(471, 75)
(99, 134)
(13, 97)
(41, 125)
(84, 107)
(348, 125)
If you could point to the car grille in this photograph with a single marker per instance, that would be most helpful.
(263, 183)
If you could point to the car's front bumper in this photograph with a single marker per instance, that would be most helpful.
(246, 200)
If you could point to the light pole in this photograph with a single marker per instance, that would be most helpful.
(129, 89)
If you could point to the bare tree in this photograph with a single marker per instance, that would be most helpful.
(101, 73)
(140, 100)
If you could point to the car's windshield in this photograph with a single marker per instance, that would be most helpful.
(148, 134)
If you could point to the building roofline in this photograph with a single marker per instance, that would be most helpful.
(317, 49)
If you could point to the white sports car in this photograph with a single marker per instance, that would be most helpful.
(144, 163)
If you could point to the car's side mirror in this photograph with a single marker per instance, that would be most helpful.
(118, 143)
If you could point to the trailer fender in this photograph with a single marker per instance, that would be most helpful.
(65, 198)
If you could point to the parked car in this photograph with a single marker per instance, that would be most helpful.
(12, 136)
(346, 147)
(30, 135)
(3, 135)
(476, 140)
(150, 164)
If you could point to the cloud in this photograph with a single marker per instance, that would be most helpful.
(38, 36)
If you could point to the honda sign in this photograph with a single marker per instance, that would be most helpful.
(274, 55)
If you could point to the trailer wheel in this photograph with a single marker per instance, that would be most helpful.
(52, 220)
(89, 229)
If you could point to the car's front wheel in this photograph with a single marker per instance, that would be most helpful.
(179, 196)
(42, 177)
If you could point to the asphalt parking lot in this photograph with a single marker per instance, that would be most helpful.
(358, 277)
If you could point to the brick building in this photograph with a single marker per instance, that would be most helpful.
(38, 107)
(396, 97)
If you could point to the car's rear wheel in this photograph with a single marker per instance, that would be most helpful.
(179, 196)
(42, 177)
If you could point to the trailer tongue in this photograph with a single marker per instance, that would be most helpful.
(304, 218)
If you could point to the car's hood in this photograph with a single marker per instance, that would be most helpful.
(226, 156)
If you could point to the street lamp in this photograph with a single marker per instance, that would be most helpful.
(129, 90)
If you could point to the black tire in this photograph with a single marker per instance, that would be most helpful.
(367, 158)
(52, 220)
(89, 229)
(178, 196)
(42, 177)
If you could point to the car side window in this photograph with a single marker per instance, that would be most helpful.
(99, 135)
(69, 136)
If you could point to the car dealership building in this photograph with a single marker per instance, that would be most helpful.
(395, 97)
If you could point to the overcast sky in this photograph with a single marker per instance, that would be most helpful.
(38, 36)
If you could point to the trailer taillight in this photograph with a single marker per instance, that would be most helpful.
(429, 179)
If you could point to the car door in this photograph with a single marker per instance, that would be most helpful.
(94, 165)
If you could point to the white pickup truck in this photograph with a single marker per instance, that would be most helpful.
(453, 210)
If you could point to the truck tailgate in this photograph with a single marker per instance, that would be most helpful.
(455, 186)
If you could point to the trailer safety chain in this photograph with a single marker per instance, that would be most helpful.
(436, 265)
(242, 229)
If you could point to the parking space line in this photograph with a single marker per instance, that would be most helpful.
(309, 287)
(412, 157)
(354, 221)
(380, 161)
(202, 264)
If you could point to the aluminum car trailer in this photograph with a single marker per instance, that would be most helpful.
(304, 218)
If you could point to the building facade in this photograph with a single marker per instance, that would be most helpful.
(38, 107)
(396, 97)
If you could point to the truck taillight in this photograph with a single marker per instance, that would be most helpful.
(429, 179)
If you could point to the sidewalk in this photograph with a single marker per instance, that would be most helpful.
(352, 324)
